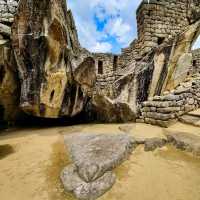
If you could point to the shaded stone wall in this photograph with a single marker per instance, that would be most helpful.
(196, 60)
(164, 110)
(9, 83)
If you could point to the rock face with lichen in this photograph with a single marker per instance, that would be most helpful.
(9, 83)
(53, 82)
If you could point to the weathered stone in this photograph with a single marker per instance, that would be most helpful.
(148, 109)
(169, 109)
(58, 77)
(95, 154)
(154, 143)
(83, 190)
(9, 84)
(5, 30)
(161, 123)
(112, 111)
(49, 71)
(185, 141)
(190, 119)
(159, 116)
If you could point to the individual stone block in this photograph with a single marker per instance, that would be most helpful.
(153, 143)
(5, 30)
(169, 109)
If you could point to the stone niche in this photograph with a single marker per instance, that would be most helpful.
(196, 60)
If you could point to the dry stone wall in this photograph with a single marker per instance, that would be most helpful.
(164, 110)
(7, 10)
(106, 67)
(158, 20)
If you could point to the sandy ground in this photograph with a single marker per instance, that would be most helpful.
(31, 160)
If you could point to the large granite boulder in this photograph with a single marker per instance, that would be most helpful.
(93, 157)
(94, 154)
(110, 111)
(46, 56)
(83, 190)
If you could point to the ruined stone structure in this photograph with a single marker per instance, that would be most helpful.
(48, 74)
(106, 68)
(158, 20)
(157, 23)
(164, 110)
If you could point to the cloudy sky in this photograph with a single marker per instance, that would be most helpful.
(105, 25)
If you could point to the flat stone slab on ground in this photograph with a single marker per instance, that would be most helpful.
(151, 144)
(185, 141)
(86, 191)
(195, 113)
(95, 154)
(190, 119)
(142, 131)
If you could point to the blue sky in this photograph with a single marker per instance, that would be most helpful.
(106, 25)
(196, 44)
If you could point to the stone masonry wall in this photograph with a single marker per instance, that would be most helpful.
(106, 76)
(160, 19)
(164, 110)
(157, 21)
(196, 60)
(7, 10)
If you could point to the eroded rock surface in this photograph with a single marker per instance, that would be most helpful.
(185, 141)
(93, 157)
(9, 84)
(151, 144)
(45, 53)
(94, 154)
(83, 190)
(109, 110)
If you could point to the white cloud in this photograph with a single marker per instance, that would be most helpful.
(102, 47)
(120, 18)
(196, 44)
(119, 29)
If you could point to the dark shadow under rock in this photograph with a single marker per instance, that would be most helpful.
(6, 150)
